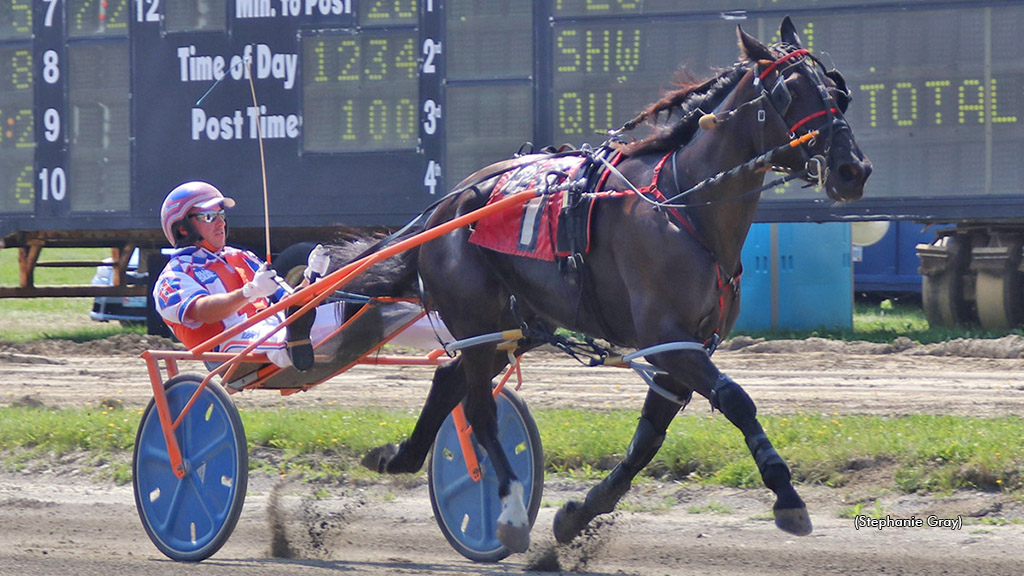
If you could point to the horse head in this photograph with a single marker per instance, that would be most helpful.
(808, 97)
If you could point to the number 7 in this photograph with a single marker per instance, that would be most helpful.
(49, 12)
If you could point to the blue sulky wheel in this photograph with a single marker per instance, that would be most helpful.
(468, 511)
(189, 519)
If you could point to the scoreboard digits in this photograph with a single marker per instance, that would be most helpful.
(399, 99)
(917, 102)
(377, 12)
(17, 140)
(97, 17)
(15, 19)
(360, 92)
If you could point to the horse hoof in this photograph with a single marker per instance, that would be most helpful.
(567, 523)
(514, 523)
(515, 538)
(377, 459)
(796, 521)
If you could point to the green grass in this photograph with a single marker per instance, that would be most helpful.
(32, 437)
(321, 444)
(884, 321)
(923, 453)
(877, 511)
(52, 276)
(24, 319)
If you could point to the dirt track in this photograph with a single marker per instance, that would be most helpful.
(58, 522)
(979, 377)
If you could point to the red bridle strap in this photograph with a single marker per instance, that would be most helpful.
(795, 53)
(817, 114)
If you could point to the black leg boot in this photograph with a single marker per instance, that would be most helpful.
(300, 347)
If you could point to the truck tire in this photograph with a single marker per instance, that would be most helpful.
(1000, 283)
(943, 269)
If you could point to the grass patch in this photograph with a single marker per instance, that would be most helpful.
(323, 444)
(877, 511)
(884, 321)
(713, 507)
(24, 319)
(9, 272)
(98, 439)
(64, 319)
(925, 453)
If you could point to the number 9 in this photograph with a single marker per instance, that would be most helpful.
(51, 121)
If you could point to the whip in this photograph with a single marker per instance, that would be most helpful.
(259, 137)
(263, 162)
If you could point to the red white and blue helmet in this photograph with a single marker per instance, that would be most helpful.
(179, 201)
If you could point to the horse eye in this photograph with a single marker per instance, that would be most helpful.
(839, 92)
(842, 99)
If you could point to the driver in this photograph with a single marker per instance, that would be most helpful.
(207, 286)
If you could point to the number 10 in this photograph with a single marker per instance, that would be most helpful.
(53, 183)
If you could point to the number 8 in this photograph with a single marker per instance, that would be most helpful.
(51, 70)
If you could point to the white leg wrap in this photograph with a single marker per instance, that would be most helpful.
(514, 524)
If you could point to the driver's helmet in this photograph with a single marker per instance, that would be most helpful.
(179, 201)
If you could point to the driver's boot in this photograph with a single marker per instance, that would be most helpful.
(300, 347)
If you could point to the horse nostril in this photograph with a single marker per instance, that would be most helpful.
(854, 172)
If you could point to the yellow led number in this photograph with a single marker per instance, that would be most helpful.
(17, 138)
(19, 19)
(97, 17)
(382, 10)
(371, 80)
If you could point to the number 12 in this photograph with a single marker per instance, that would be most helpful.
(151, 15)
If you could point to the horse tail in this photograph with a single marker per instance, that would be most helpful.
(396, 277)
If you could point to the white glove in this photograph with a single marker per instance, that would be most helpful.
(316, 266)
(263, 284)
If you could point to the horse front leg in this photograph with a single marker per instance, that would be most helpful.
(657, 413)
(447, 389)
(736, 405)
(698, 372)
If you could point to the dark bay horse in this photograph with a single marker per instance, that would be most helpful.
(656, 273)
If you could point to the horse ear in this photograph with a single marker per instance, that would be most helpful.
(788, 33)
(752, 47)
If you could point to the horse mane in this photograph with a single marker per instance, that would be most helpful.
(393, 277)
(687, 103)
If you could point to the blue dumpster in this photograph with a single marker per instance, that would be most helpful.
(796, 276)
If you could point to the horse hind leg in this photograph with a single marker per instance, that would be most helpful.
(513, 529)
(734, 403)
(658, 412)
(446, 390)
(451, 383)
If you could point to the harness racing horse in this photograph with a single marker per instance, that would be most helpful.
(658, 271)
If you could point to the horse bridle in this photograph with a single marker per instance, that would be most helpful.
(815, 171)
(780, 98)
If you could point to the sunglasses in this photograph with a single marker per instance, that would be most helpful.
(209, 216)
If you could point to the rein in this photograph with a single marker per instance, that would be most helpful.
(755, 163)
(815, 171)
